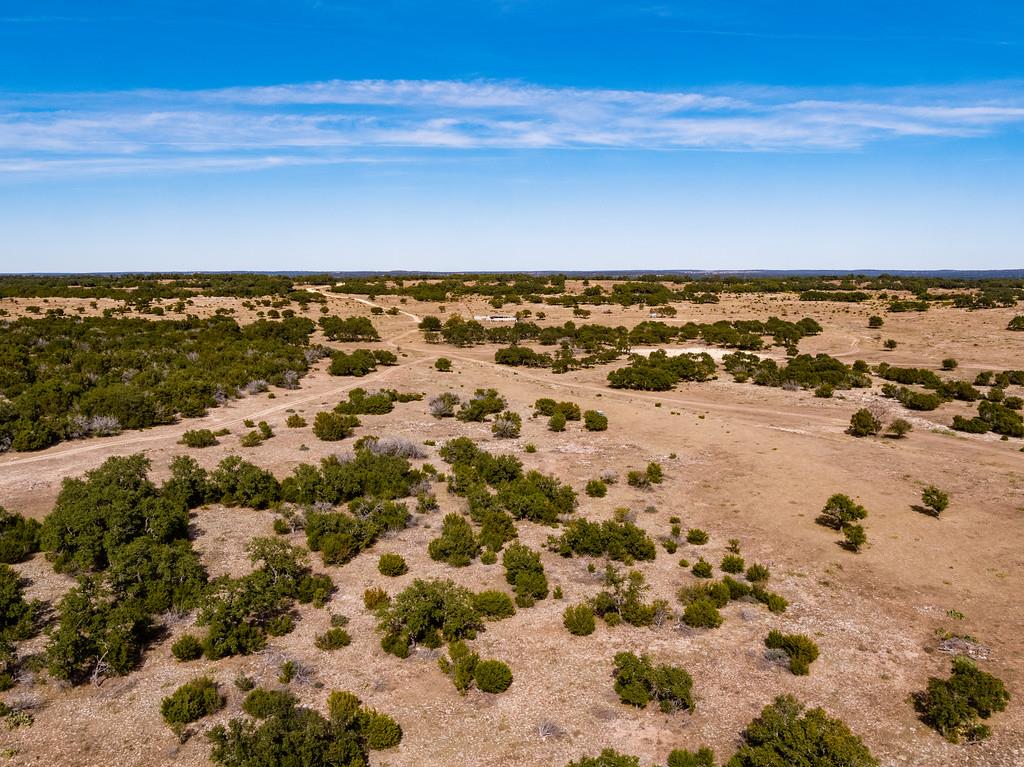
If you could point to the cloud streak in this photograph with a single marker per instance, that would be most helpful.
(250, 128)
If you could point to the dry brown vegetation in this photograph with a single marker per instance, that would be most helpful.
(740, 461)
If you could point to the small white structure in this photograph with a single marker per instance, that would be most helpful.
(494, 318)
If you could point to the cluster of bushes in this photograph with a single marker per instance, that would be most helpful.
(652, 475)
(127, 541)
(638, 681)
(239, 613)
(199, 438)
(95, 376)
(349, 329)
(359, 362)
(532, 496)
(620, 541)
(622, 600)
(19, 620)
(525, 573)
(361, 402)
(783, 734)
(369, 472)
(286, 733)
(953, 706)
(340, 536)
(992, 416)
(428, 613)
(660, 372)
(842, 513)
(802, 371)
(801, 650)
(865, 423)
(466, 669)
(704, 600)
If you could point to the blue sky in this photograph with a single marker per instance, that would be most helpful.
(510, 135)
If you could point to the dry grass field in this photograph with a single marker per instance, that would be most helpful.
(741, 461)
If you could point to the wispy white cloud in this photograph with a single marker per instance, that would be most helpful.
(326, 122)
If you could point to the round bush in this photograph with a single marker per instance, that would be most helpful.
(333, 639)
(493, 676)
(380, 730)
(392, 565)
(579, 620)
(597, 489)
(702, 613)
(187, 648)
(192, 701)
(696, 536)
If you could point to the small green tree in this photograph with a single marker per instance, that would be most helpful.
(864, 423)
(855, 537)
(934, 499)
(579, 620)
(953, 706)
(595, 421)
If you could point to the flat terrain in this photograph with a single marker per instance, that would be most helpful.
(741, 461)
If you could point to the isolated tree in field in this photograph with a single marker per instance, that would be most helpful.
(890, 344)
(874, 321)
(443, 364)
(841, 510)
(864, 423)
(953, 706)
(899, 428)
(1017, 323)
(934, 499)
(595, 421)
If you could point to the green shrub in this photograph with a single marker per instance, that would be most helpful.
(802, 651)
(595, 421)
(596, 489)
(854, 537)
(525, 573)
(457, 545)
(192, 701)
(696, 536)
(494, 604)
(864, 423)
(295, 421)
(557, 421)
(331, 427)
(392, 565)
(483, 403)
(874, 321)
(733, 563)
(187, 648)
(702, 613)
(579, 620)
(460, 665)
(784, 734)
(899, 428)
(953, 706)
(608, 758)
(443, 364)
(702, 568)
(620, 541)
(703, 757)
(757, 573)
(493, 676)
(19, 537)
(198, 438)
(949, 364)
(775, 603)
(839, 511)
(428, 613)
(375, 597)
(638, 681)
(288, 732)
(333, 639)
(934, 499)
